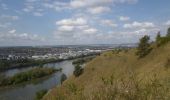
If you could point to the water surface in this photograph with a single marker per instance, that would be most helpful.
(28, 91)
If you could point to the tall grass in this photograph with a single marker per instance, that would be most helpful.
(130, 88)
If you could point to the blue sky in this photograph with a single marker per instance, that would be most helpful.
(62, 22)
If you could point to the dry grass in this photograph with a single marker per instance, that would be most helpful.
(120, 76)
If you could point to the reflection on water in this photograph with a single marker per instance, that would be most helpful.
(27, 92)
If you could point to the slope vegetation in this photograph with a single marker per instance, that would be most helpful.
(120, 76)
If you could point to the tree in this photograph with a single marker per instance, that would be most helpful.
(168, 32)
(78, 71)
(143, 47)
(63, 78)
(158, 36)
(158, 39)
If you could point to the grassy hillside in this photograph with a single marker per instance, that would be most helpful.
(120, 76)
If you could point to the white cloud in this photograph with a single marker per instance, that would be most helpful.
(125, 1)
(82, 27)
(140, 31)
(47, 5)
(90, 31)
(139, 25)
(92, 6)
(20, 36)
(31, 0)
(12, 31)
(37, 14)
(66, 28)
(78, 4)
(150, 32)
(167, 23)
(4, 6)
(93, 3)
(9, 17)
(98, 10)
(5, 25)
(77, 21)
(28, 8)
(7, 20)
(108, 23)
(56, 5)
(124, 18)
(74, 29)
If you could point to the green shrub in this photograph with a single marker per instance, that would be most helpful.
(144, 47)
(3, 80)
(40, 94)
(78, 71)
(63, 78)
(168, 32)
(81, 61)
(158, 37)
(163, 40)
(72, 88)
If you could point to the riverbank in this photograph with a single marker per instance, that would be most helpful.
(82, 61)
(7, 64)
(30, 75)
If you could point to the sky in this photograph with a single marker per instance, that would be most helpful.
(72, 22)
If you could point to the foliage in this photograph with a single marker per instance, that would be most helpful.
(158, 36)
(63, 78)
(40, 94)
(164, 39)
(9, 64)
(27, 76)
(168, 32)
(72, 87)
(143, 47)
(117, 51)
(78, 71)
(81, 61)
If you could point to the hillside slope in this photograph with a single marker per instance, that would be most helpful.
(120, 76)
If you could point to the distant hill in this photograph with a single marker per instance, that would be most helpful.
(120, 76)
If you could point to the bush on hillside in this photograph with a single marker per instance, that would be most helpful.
(40, 94)
(78, 71)
(72, 87)
(164, 39)
(144, 47)
(158, 36)
(63, 78)
(168, 32)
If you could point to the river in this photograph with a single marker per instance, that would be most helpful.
(28, 91)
